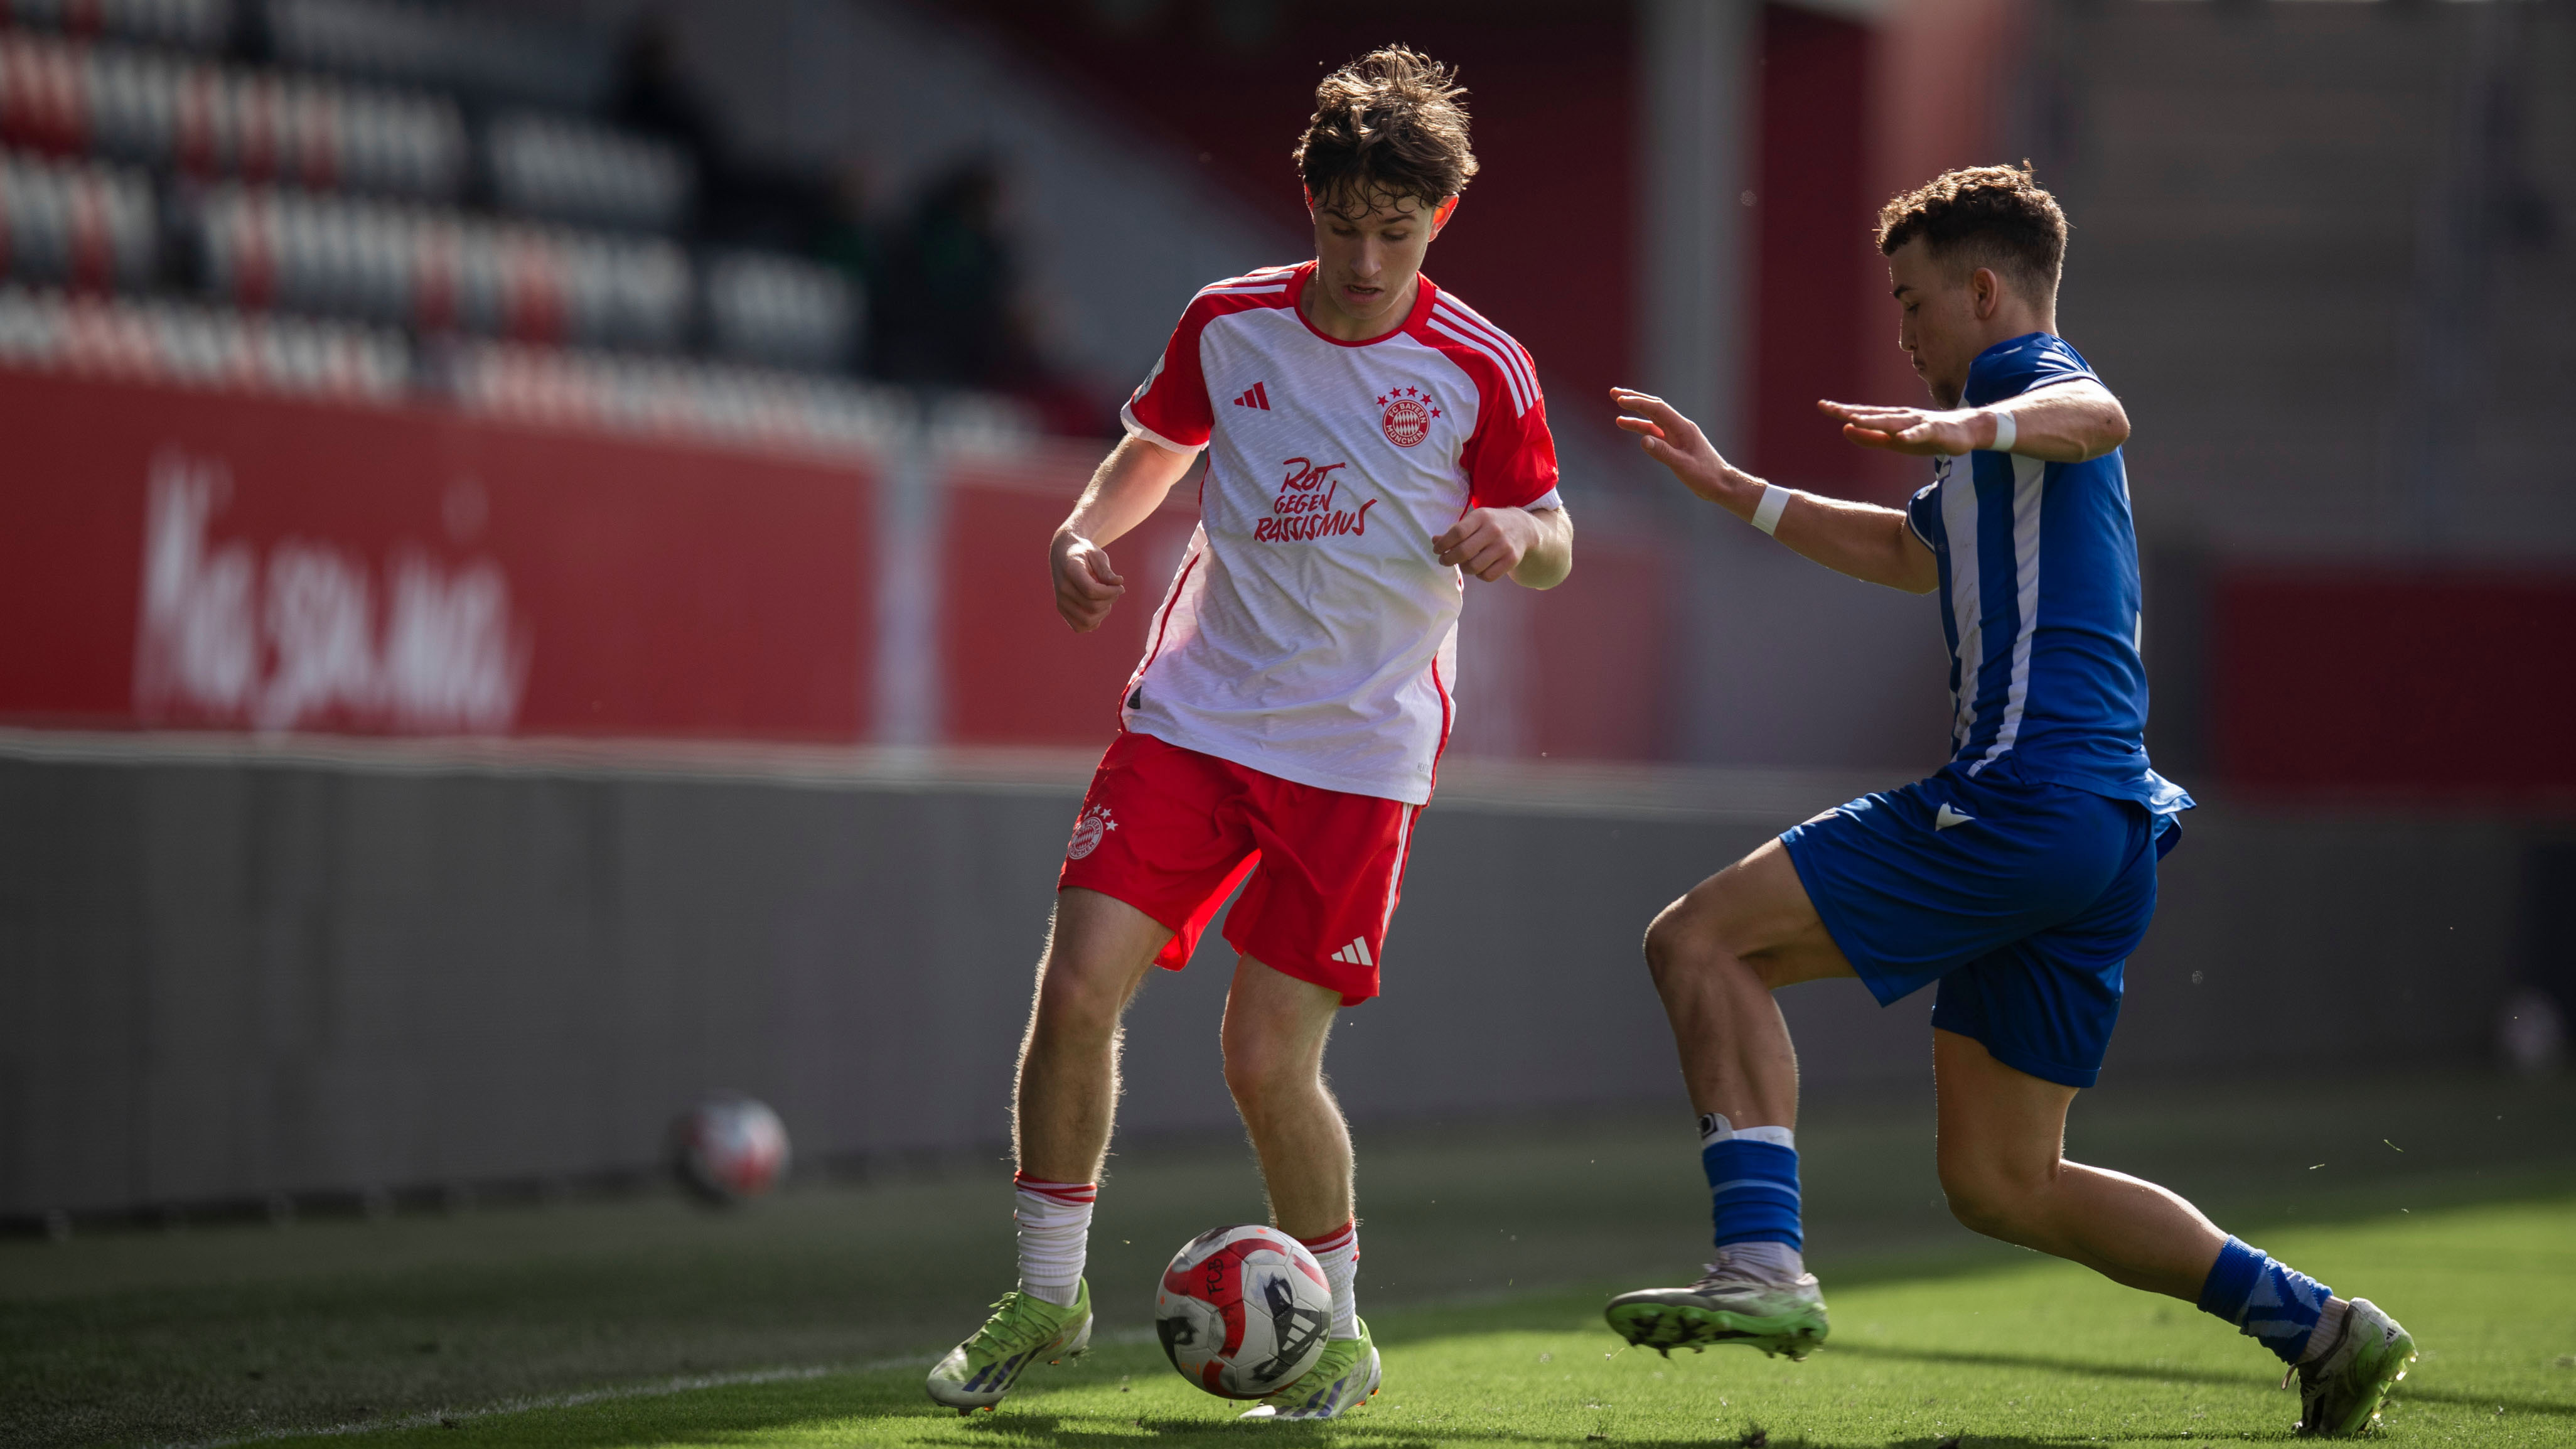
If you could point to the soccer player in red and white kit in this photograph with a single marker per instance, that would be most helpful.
(1372, 443)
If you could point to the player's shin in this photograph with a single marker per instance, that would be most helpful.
(1753, 1199)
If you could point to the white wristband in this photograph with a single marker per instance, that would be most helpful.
(2005, 433)
(1775, 501)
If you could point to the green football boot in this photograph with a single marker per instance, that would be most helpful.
(1776, 1318)
(976, 1374)
(2340, 1394)
(1345, 1377)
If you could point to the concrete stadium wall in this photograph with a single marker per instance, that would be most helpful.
(234, 971)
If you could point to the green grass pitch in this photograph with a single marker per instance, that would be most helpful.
(2029, 1353)
(1487, 1252)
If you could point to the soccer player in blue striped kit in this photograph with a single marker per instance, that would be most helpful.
(2018, 878)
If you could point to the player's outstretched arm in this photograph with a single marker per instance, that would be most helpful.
(1869, 543)
(1129, 486)
(2064, 422)
(1533, 547)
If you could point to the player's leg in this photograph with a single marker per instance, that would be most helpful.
(2004, 1170)
(2002, 1133)
(1098, 951)
(1274, 1034)
(1717, 954)
(1097, 954)
(1155, 850)
(1275, 1030)
(1311, 924)
(2015, 1034)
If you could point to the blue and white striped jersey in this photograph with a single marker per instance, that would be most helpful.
(2039, 568)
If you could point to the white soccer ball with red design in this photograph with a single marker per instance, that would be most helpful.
(1244, 1311)
(729, 1149)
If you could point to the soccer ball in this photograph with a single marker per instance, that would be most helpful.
(729, 1149)
(1243, 1311)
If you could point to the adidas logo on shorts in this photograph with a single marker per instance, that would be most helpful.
(1355, 954)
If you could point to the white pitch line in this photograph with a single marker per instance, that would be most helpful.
(433, 1418)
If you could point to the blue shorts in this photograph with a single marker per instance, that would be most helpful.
(2023, 900)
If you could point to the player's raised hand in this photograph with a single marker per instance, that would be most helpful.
(1921, 432)
(1085, 585)
(1676, 442)
(1488, 542)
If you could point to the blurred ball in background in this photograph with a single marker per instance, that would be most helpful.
(2532, 1033)
(729, 1149)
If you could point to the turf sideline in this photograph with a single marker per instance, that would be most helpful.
(434, 1418)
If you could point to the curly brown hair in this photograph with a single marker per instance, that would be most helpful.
(1387, 126)
(1982, 216)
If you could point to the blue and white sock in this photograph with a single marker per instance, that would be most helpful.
(1753, 1198)
(2272, 1303)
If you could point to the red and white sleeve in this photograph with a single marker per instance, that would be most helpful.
(1170, 406)
(1511, 461)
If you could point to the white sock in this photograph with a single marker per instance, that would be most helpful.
(2329, 1328)
(1714, 1128)
(1774, 1263)
(1055, 1233)
(1339, 1252)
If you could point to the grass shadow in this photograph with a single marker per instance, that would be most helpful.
(2090, 1368)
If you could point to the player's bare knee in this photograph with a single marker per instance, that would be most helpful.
(1079, 993)
(1990, 1199)
(1682, 936)
(1261, 1075)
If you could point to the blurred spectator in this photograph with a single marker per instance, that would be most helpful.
(654, 99)
(853, 240)
(948, 317)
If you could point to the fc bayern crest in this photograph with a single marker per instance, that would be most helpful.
(1408, 416)
(1088, 830)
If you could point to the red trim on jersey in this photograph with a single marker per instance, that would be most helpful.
(1510, 460)
(1414, 316)
(1161, 627)
(1446, 715)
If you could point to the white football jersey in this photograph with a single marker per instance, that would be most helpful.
(1310, 633)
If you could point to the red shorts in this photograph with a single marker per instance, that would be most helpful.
(1172, 832)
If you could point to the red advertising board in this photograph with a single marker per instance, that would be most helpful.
(2427, 682)
(181, 559)
(1016, 674)
(192, 560)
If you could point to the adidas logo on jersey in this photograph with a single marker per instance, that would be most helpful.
(1355, 954)
(1255, 396)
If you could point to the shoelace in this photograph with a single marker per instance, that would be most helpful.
(1009, 1334)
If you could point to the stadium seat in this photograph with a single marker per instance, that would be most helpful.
(767, 308)
(438, 270)
(518, 57)
(158, 109)
(188, 24)
(76, 224)
(189, 346)
(567, 170)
